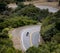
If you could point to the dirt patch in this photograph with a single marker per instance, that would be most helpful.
(52, 4)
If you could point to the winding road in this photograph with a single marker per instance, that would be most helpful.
(21, 40)
(51, 9)
(33, 37)
(24, 42)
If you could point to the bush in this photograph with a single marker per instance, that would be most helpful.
(7, 42)
(33, 12)
(3, 7)
(56, 37)
(17, 22)
(48, 47)
(48, 28)
(32, 50)
(19, 6)
(4, 49)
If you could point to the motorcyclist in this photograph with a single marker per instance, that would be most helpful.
(27, 33)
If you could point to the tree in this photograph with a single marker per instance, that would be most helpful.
(7, 1)
(32, 50)
(59, 2)
(16, 22)
(56, 37)
(4, 49)
(47, 47)
(33, 12)
(48, 28)
(2, 7)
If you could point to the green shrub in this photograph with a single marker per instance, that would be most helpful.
(33, 12)
(48, 28)
(7, 42)
(2, 7)
(56, 37)
(17, 22)
(4, 49)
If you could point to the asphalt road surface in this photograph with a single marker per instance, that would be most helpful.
(24, 40)
(51, 9)
(32, 39)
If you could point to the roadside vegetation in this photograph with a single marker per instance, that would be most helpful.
(29, 15)
(9, 19)
(50, 33)
(33, 12)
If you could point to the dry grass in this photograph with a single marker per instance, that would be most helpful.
(52, 4)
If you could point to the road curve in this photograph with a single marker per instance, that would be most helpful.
(51, 9)
(21, 41)
(26, 40)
